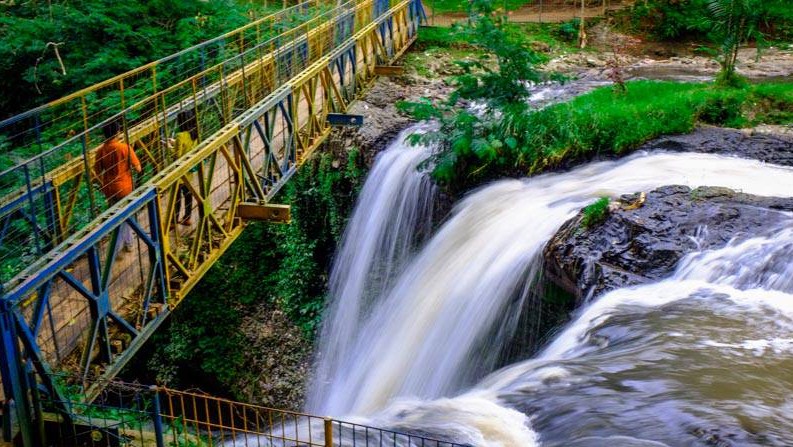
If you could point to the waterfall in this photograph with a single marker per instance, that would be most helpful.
(437, 330)
(393, 214)
(424, 338)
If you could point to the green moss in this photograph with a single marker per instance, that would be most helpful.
(595, 213)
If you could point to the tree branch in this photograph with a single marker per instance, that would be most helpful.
(36, 67)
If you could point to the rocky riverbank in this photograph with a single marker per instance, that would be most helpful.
(641, 240)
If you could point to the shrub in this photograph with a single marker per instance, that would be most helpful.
(568, 31)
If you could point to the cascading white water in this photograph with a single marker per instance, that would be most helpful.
(439, 327)
(702, 358)
(394, 211)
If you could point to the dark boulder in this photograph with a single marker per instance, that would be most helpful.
(770, 146)
(636, 246)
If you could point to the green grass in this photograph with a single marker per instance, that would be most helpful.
(554, 35)
(438, 36)
(595, 213)
(605, 122)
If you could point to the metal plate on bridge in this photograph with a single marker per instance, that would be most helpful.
(267, 212)
(389, 70)
(344, 119)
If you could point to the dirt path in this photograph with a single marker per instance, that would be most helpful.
(535, 12)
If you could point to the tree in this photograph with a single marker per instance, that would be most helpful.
(735, 22)
(50, 49)
(498, 80)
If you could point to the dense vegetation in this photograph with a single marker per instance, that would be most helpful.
(689, 19)
(53, 48)
(270, 268)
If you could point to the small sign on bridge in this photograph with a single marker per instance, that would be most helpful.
(344, 119)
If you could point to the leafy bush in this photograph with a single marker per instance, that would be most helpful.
(568, 31)
(692, 19)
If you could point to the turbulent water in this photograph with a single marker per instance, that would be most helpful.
(703, 358)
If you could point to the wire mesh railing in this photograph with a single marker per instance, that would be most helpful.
(58, 192)
(134, 415)
(33, 131)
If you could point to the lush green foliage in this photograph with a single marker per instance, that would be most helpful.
(96, 39)
(517, 142)
(595, 213)
(276, 266)
(734, 22)
(500, 83)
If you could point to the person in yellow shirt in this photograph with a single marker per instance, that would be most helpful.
(185, 141)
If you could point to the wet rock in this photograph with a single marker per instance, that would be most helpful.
(637, 246)
(770, 144)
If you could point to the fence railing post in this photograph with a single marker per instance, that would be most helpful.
(328, 432)
(157, 417)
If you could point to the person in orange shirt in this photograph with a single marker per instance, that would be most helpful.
(113, 166)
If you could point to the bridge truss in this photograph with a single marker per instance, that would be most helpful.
(84, 305)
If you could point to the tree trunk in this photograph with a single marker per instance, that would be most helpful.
(582, 39)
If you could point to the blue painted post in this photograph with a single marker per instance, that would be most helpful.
(157, 417)
(38, 414)
(12, 373)
(37, 126)
(32, 205)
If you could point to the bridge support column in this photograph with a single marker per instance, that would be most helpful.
(14, 381)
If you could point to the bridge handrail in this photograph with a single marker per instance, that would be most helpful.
(174, 417)
(84, 91)
(76, 137)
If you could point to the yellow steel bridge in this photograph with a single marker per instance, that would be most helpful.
(259, 101)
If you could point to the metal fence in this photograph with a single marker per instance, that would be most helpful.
(134, 415)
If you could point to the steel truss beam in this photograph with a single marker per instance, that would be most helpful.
(87, 306)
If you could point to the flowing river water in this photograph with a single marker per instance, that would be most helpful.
(415, 328)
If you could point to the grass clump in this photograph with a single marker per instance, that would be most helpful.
(595, 213)
(442, 37)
